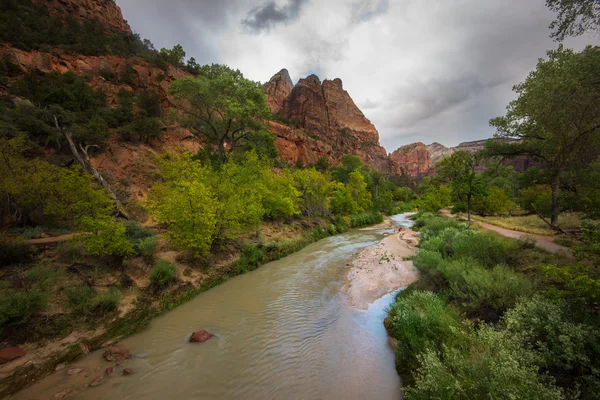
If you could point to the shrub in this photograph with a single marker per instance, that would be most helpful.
(163, 273)
(487, 294)
(359, 220)
(147, 247)
(491, 366)
(18, 308)
(107, 73)
(420, 321)
(15, 250)
(332, 230)
(71, 251)
(487, 248)
(84, 301)
(562, 346)
(251, 258)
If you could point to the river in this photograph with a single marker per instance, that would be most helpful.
(284, 331)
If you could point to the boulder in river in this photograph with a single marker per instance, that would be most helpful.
(200, 336)
(99, 379)
(11, 353)
(116, 353)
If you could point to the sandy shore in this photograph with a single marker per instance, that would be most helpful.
(381, 269)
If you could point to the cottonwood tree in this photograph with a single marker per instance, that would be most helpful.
(465, 182)
(574, 18)
(556, 117)
(225, 110)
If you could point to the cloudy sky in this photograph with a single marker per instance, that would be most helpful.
(420, 70)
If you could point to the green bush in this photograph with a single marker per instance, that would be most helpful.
(251, 258)
(17, 308)
(15, 250)
(163, 273)
(487, 248)
(420, 321)
(562, 346)
(490, 365)
(487, 294)
(359, 220)
(147, 247)
(84, 301)
(332, 230)
(71, 251)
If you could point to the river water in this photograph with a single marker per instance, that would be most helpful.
(284, 331)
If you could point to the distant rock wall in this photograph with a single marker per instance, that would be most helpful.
(413, 160)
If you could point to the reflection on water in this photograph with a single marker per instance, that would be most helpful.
(284, 331)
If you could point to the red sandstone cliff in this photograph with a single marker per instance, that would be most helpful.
(325, 113)
(413, 160)
(105, 12)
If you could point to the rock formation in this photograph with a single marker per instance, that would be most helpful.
(438, 151)
(278, 89)
(105, 12)
(413, 160)
(323, 121)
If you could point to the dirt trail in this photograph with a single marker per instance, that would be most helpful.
(52, 239)
(541, 241)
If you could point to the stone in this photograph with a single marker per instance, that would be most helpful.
(108, 371)
(277, 90)
(200, 336)
(74, 371)
(115, 353)
(413, 160)
(99, 379)
(127, 371)
(65, 393)
(84, 349)
(11, 353)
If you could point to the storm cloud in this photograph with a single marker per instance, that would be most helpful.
(422, 70)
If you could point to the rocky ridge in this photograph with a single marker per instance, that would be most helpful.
(321, 120)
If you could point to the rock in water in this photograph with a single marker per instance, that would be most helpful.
(127, 371)
(11, 353)
(200, 336)
(99, 379)
(116, 353)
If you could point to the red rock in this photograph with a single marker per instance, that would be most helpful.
(64, 393)
(413, 160)
(99, 379)
(108, 371)
(116, 353)
(277, 90)
(74, 371)
(200, 336)
(11, 353)
(105, 12)
(84, 349)
(127, 371)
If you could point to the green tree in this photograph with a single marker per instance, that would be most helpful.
(556, 117)
(225, 109)
(435, 198)
(465, 182)
(314, 191)
(574, 18)
(173, 56)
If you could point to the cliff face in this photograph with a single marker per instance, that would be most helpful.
(326, 114)
(413, 160)
(105, 12)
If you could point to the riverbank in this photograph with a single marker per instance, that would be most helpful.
(382, 268)
(144, 303)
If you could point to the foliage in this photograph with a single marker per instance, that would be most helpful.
(106, 238)
(562, 345)
(574, 18)
(555, 118)
(14, 250)
(163, 273)
(494, 202)
(577, 280)
(143, 239)
(226, 110)
(351, 198)
(536, 198)
(487, 294)
(420, 321)
(314, 189)
(280, 198)
(359, 220)
(491, 365)
(147, 247)
(591, 234)
(17, 308)
(435, 199)
(84, 301)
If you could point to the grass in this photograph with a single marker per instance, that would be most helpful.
(533, 223)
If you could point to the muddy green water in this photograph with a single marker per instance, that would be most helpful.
(284, 331)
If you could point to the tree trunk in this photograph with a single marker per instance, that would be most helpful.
(555, 189)
(84, 161)
(469, 208)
